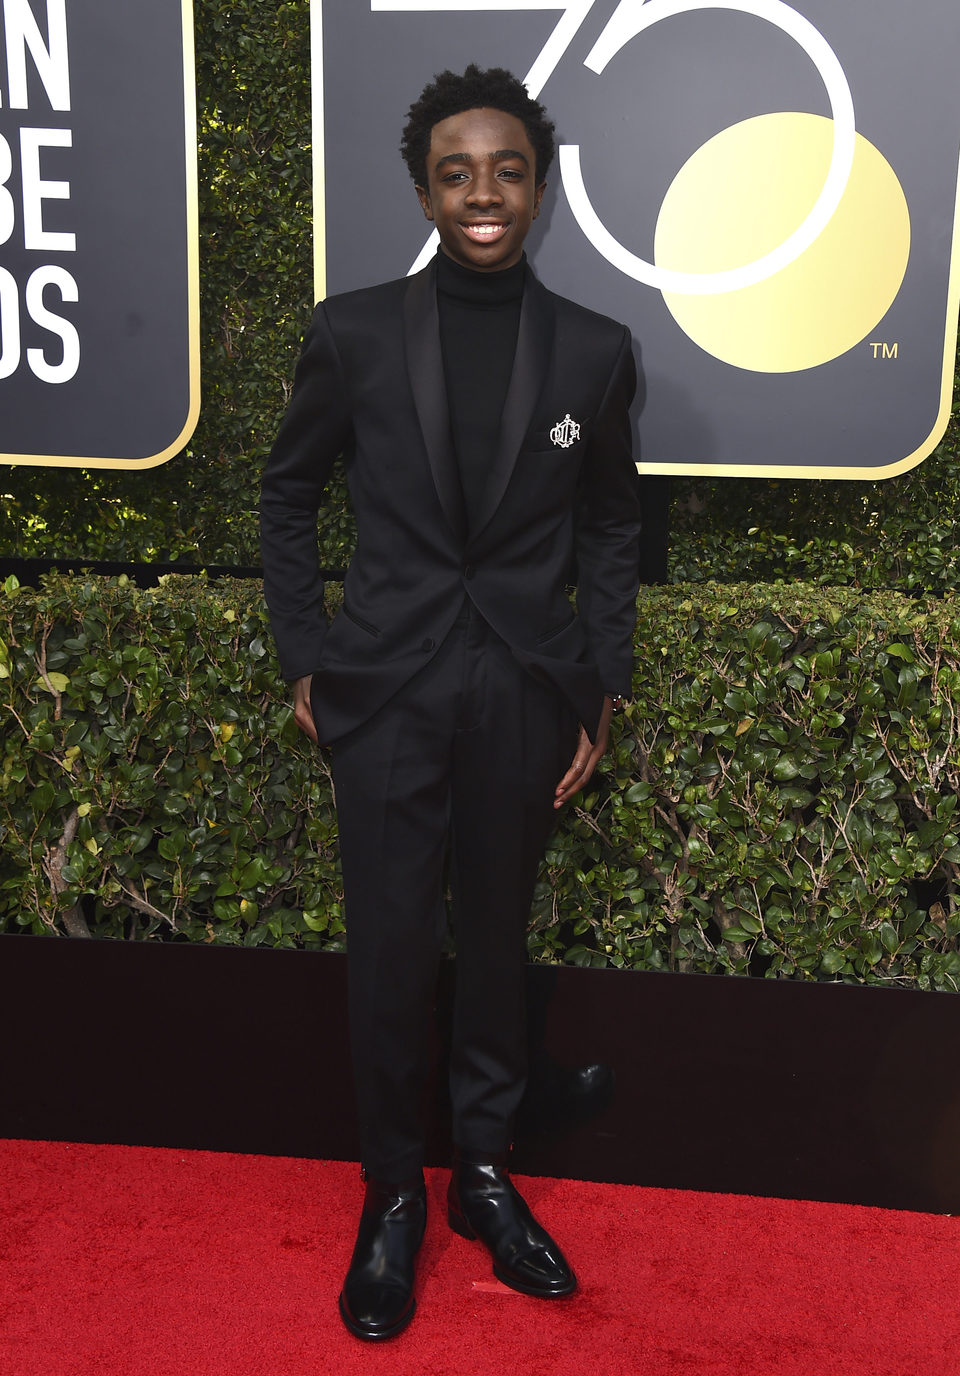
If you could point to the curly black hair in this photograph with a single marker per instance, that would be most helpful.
(492, 89)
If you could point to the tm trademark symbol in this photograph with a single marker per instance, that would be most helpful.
(885, 350)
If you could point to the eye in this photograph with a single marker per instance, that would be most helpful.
(512, 173)
(455, 176)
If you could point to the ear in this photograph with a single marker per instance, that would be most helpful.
(537, 198)
(423, 196)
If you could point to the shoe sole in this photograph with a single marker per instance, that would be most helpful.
(505, 1279)
(460, 1225)
(359, 1331)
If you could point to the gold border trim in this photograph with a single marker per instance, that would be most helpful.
(317, 136)
(865, 473)
(193, 285)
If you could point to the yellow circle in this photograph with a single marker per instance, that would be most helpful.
(739, 196)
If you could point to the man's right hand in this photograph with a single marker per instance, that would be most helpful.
(302, 711)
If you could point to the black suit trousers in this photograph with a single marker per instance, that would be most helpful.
(453, 777)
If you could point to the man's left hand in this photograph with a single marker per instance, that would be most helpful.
(302, 710)
(585, 760)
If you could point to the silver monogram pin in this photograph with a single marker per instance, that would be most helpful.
(565, 432)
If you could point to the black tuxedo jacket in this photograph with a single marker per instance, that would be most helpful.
(560, 507)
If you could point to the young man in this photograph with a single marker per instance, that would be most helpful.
(483, 423)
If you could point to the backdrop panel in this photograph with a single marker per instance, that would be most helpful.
(99, 313)
(766, 194)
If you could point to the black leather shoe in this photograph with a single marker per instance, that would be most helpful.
(484, 1203)
(377, 1301)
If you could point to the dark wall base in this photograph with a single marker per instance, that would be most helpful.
(749, 1086)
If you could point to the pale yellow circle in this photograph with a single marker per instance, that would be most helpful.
(744, 192)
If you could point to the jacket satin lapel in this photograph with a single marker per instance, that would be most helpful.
(421, 325)
(530, 364)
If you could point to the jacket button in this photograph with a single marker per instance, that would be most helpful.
(428, 644)
(468, 570)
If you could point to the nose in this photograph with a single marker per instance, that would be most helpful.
(485, 189)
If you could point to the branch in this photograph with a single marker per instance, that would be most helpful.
(143, 906)
(57, 697)
(53, 862)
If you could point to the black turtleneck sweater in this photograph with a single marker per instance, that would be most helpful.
(479, 319)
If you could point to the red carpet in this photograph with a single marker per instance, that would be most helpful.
(128, 1261)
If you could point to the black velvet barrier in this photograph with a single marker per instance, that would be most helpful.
(764, 1087)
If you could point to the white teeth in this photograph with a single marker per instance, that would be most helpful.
(484, 230)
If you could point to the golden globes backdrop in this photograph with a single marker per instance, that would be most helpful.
(99, 317)
(765, 193)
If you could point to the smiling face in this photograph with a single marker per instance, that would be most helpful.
(481, 190)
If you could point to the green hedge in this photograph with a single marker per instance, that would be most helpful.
(780, 798)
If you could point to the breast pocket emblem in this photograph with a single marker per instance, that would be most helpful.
(565, 432)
